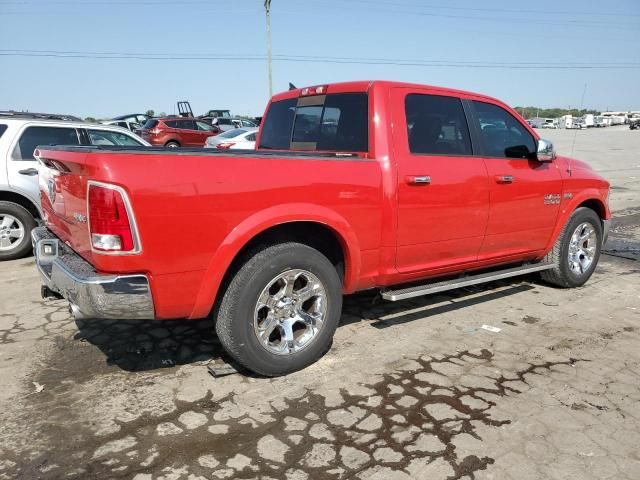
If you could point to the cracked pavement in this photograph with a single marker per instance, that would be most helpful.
(410, 390)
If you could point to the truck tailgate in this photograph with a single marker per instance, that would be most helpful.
(63, 192)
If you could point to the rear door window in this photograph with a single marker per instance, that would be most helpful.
(436, 125)
(33, 136)
(185, 125)
(3, 128)
(503, 135)
(335, 122)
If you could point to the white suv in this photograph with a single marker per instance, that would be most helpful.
(20, 133)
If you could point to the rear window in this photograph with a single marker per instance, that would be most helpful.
(3, 128)
(150, 124)
(34, 136)
(337, 122)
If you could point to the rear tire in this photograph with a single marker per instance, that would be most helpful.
(576, 251)
(15, 220)
(281, 309)
(172, 144)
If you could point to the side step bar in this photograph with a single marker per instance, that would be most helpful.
(442, 286)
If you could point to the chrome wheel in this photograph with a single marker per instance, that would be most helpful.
(290, 312)
(582, 248)
(11, 232)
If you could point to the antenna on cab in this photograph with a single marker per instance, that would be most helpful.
(584, 91)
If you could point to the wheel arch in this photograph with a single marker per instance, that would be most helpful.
(591, 199)
(22, 200)
(313, 225)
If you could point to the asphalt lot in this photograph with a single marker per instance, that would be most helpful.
(410, 390)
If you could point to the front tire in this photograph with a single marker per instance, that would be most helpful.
(576, 251)
(281, 309)
(172, 144)
(16, 223)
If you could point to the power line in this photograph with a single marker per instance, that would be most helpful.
(497, 10)
(320, 59)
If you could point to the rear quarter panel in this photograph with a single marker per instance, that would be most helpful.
(195, 212)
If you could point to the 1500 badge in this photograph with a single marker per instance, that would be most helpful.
(552, 199)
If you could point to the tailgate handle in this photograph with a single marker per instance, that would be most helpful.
(28, 171)
(419, 180)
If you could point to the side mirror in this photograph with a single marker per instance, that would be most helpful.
(546, 152)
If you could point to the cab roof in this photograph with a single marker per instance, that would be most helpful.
(366, 85)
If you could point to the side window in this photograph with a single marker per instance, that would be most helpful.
(34, 136)
(3, 128)
(502, 134)
(104, 137)
(170, 123)
(436, 125)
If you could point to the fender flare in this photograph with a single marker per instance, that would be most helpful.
(263, 220)
(568, 208)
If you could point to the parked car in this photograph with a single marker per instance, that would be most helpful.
(460, 191)
(177, 132)
(238, 138)
(19, 196)
(139, 118)
(225, 123)
(129, 125)
(217, 113)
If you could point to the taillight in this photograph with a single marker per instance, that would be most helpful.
(111, 222)
(225, 145)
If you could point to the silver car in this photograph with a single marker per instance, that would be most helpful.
(20, 133)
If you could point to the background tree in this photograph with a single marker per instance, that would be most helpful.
(151, 113)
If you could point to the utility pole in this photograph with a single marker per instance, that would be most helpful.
(267, 8)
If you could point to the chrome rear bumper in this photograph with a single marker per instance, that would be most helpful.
(90, 293)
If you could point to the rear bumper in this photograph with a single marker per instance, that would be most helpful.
(90, 293)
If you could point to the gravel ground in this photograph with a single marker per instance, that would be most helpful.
(412, 390)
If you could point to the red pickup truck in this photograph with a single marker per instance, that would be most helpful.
(406, 188)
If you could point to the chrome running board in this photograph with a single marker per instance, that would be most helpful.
(465, 281)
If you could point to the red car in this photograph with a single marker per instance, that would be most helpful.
(355, 186)
(177, 132)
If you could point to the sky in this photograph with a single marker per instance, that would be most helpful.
(103, 58)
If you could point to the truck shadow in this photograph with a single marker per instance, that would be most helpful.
(139, 345)
(142, 345)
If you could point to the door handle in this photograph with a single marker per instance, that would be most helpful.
(504, 178)
(28, 171)
(418, 179)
